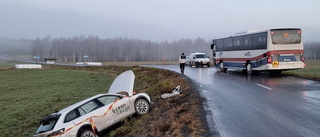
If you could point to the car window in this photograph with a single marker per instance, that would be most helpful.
(81, 111)
(70, 116)
(90, 106)
(105, 100)
(48, 123)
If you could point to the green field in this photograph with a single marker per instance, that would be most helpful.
(311, 71)
(28, 95)
(6, 64)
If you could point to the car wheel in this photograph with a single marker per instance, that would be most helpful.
(142, 106)
(249, 68)
(87, 133)
(208, 65)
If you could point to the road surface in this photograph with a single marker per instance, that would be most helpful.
(257, 106)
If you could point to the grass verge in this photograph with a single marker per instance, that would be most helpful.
(311, 71)
(28, 95)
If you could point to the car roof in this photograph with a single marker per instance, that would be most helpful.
(124, 82)
(71, 107)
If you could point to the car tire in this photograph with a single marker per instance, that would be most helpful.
(87, 133)
(142, 106)
(208, 65)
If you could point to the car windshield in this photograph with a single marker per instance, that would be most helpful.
(200, 56)
(48, 123)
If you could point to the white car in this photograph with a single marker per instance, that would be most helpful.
(95, 114)
(198, 59)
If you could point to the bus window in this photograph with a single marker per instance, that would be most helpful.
(227, 44)
(280, 36)
(219, 45)
(260, 41)
(237, 43)
(247, 42)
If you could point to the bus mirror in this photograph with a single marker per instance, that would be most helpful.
(212, 45)
(214, 54)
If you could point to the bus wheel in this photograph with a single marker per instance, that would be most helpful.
(249, 68)
(221, 67)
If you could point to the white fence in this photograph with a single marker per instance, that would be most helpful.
(29, 66)
(90, 63)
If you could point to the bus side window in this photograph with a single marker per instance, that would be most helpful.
(238, 43)
(227, 44)
(247, 42)
(219, 46)
(260, 41)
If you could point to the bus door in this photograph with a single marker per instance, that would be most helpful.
(213, 47)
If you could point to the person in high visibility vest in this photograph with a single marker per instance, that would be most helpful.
(182, 61)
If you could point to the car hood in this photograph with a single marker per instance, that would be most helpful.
(124, 82)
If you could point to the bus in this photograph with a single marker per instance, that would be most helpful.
(273, 50)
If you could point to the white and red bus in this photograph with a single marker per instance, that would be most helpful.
(272, 50)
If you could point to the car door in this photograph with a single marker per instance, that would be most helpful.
(123, 108)
(116, 108)
(87, 112)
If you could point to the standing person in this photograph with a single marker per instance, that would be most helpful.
(182, 61)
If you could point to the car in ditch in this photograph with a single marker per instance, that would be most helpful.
(94, 115)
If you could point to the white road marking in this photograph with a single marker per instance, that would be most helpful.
(264, 86)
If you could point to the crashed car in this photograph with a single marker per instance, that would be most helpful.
(91, 116)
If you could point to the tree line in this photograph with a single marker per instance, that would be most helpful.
(92, 48)
(312, 50)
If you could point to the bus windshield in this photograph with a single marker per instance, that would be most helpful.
(292, 36)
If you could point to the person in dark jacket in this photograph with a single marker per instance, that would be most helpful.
(182, 61)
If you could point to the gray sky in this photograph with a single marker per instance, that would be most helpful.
(155, 20)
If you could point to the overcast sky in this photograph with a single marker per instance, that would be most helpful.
(155, 20)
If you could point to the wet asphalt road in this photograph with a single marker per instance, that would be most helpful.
(257, 106)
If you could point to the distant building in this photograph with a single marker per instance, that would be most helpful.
(49, 60)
